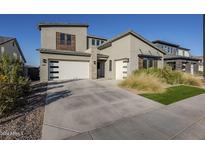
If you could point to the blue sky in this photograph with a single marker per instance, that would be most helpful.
(181, 29)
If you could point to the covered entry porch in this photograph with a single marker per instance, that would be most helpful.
(101, 59)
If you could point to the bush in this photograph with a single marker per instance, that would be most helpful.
(189, 79)
(144, 83)
(156, 80)
(13, 86)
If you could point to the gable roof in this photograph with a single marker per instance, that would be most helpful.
(4, 40)
(130, 32)
(40, 25)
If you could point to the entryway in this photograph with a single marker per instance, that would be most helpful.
(100, 69)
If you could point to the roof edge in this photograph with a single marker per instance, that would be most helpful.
(130, 32)
(41, 25)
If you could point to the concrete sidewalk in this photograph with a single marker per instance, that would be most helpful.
(182, 120)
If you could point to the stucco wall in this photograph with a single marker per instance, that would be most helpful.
(128, 47)
(119, 49)
(140, 47)
(47, 57)
(48, 36)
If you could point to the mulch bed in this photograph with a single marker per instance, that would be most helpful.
(26, 123)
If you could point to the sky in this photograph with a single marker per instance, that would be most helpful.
(185, 30)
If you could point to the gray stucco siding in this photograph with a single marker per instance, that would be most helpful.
(118, 50)
(48, 36)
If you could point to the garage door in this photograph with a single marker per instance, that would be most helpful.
(64, 70)
(121, 69)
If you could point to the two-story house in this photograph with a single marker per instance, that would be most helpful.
(68, 52)
(10, 46)
(179, 58)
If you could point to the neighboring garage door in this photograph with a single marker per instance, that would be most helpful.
(64, 70)
(121, 69)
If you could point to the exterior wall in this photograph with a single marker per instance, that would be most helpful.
(47, 57)
(120, 49)
(48, 36)
(11, 49)
(89, 42)
(93, 62)
(138, 46)
(128, 47)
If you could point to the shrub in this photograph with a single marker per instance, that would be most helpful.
(189, 79)
(156, 80)
(13, 86)
(144, 83)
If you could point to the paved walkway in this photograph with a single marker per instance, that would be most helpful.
(182, 120)
(101, 110)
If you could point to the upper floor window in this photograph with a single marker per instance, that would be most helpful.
(68, 39)
(65, 41)
(102, 42)
(62, 38)
(93, 41)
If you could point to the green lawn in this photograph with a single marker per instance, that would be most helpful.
(174, 94)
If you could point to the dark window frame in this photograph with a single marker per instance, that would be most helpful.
(62, 38)
(68, 39)
(110, 65)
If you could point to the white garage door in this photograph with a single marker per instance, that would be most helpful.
(64, 70)
(121, 69)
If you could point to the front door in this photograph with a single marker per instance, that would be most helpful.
(100, 69)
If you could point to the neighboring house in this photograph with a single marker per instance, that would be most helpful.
(11, 47)
(200, 63)
(68, 52)
(178, 58)
(94, 41)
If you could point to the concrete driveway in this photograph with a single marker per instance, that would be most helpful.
(88, 109)
(75, 107)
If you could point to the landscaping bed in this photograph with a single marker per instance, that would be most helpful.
(163, 85)
(26, 122)
(174, 94)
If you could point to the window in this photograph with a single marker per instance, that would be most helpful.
(65, 41)
(54, 66)
(102, 42)
(68, 39)
(93, 41)
(149, 62)
(62, 38)
(145, 61)
(110, 65)
(98, 42)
